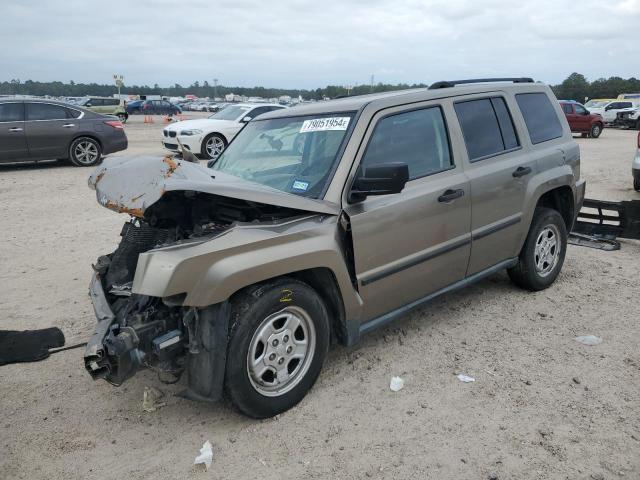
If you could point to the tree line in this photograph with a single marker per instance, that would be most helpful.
(574, 87)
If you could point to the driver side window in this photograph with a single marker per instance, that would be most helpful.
(580, 110)
(418, 138)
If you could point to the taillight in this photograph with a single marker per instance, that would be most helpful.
(117, 124)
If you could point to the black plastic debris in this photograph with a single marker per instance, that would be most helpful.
(28, 345)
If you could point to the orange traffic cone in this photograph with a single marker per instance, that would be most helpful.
(148, 119)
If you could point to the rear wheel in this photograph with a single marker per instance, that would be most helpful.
(543, 253)
(636, 184)
(596, 130)
(278, 342)
(85, 152)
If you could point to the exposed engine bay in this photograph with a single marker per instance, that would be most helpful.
(142, 331)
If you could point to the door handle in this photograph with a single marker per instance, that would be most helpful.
(15, 129)
(68, 125)
(521, 172)
(450, 195)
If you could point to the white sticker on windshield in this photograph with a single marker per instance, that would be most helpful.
(323, 124)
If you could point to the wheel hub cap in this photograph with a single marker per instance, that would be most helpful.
(547, 250)
(281, 351)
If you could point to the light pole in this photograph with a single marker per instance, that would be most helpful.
(119, 81)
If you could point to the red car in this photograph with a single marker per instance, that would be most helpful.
(581, 120)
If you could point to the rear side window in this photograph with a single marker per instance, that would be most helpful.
(73, 113)
(540, 117)
(567, 108)
(45, 111)
(418, 138)
(487, 127)
(11, 112)
(112, 101)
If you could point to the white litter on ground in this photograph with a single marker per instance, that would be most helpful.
(152, 399)
(396, 384)
(590, 340)
(465, 378)
(206, 455)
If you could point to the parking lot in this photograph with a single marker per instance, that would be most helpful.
(542, 407)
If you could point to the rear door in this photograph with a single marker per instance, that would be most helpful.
(570, 113)
(414, 243)
(498, 172)
(13, 144)
(49, 130)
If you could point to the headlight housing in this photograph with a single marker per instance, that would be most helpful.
(188, 133)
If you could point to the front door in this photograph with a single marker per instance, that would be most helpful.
(414, 243)
(49, 131)
(13, 145)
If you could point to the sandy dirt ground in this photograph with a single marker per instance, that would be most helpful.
(542, 407)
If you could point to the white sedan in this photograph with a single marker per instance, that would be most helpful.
(208, 137)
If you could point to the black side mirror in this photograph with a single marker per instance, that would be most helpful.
(384, 179)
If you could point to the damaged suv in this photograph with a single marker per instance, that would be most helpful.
(322, 223)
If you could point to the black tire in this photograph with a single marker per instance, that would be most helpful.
(123, 117)
(251, 310)
(596, 130)
(88, 145)
(638, 124)
(525, 274)
(216, 138)
(636, 184)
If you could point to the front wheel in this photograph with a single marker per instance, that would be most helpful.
(85, 152)
(542, 255)
(213, 145)
(278, 342)
(123, 117)
(596, 130)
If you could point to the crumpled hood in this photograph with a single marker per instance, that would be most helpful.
(202, 124)
(132, 184)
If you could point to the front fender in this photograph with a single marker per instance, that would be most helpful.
(210, 272)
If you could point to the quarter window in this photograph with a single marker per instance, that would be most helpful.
(45, 111)
(487, 127)
(417, 138)
(539, 116)
(11, 112)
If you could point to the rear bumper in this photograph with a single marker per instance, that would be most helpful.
(114, 143)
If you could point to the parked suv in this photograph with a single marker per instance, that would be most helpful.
(33, 130)
(106, 106)
(326, 222)
(581, 120)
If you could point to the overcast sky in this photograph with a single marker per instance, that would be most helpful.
(304, 44)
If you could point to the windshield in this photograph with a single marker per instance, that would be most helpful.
(295, 154)
(230, 113)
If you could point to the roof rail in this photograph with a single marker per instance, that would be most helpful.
(453, 83)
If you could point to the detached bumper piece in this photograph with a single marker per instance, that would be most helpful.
(600, 223)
